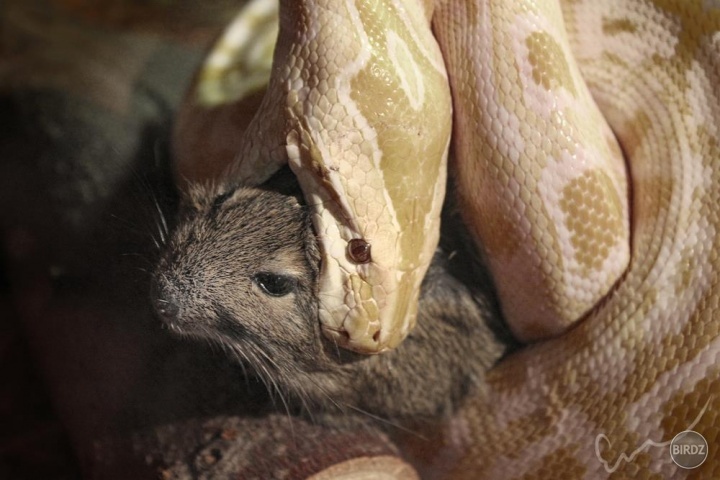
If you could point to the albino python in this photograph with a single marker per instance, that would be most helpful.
(586, 144)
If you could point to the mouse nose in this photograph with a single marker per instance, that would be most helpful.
(167, 309)
(164, 302)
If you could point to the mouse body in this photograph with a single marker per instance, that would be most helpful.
(240, 269)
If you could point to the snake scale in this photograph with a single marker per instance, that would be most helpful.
(586, 144)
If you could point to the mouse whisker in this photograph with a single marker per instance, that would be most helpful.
(145, 195)
(257, 358)
(386, 421)
(142, 257)
(219, 245)
(160, 221)
(130, 227)
(272, 363)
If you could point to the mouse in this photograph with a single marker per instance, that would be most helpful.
(240, 269)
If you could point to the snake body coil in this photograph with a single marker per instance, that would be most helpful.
(587, 143)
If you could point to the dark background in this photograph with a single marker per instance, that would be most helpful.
(90, 385)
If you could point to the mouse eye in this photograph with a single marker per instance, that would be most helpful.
(274, 284)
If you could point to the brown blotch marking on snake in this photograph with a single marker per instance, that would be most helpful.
(684, 408)
(550, 67)
(639, 468)
(696, 20)
(513, 373)
(502, 248)
(560, 460)
(614, 26)
(635, 143)
(515, 433)
(378, 93)
(688, 261)
(700, 327)
(473, 12)
(646, 363)
(505, 245)
(527, 172)
(685, 345)
(636, 136)
(542, 421)
(509, 379)
(646, 366)
(659, 182)
(614, 59)
(506, 75)
(593, 215)
(624, 321)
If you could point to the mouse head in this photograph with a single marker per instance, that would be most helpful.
(240, 269)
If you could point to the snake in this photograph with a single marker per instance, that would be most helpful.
(585, 144)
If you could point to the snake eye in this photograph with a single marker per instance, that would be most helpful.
(274, 284)
(359, 250)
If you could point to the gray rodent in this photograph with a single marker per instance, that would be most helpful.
(240, 269)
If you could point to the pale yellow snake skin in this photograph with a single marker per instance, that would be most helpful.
(364, 121)
(570, 229)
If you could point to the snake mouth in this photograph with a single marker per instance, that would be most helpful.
(335, 330)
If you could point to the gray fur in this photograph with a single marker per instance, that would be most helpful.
(203, 287)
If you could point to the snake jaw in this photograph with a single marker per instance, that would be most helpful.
(366, 131)
(365, 305)
(368, 307)
(363, 315)
(355, 297)
(367, 135)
